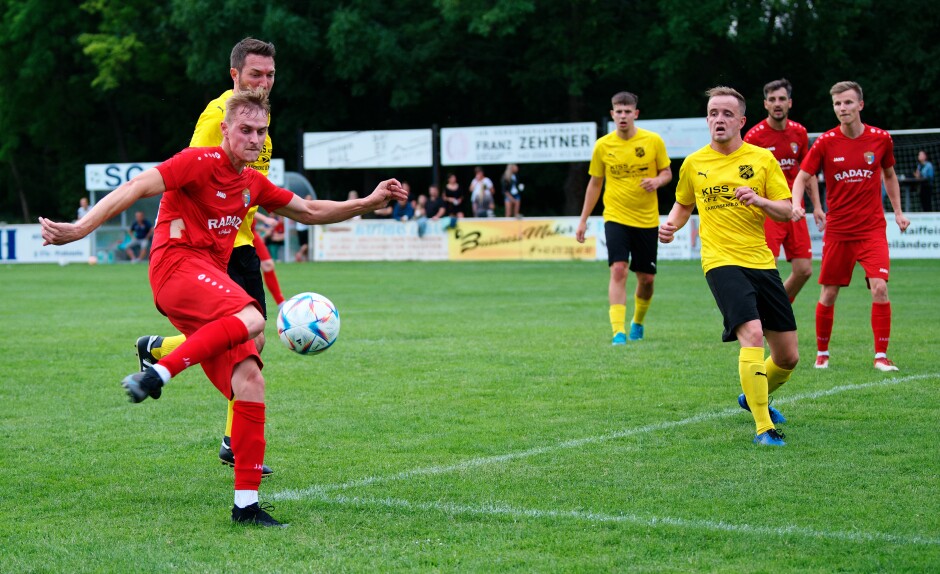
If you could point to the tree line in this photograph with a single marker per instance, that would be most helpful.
(124, 80)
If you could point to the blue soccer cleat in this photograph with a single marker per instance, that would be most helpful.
(619, 339)
(636, 332)
(776, 416)
(770, 438)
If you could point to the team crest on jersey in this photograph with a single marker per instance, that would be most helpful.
(869, 157)
(794, 147)
(640, 152)
(246, 196)
(746, 171)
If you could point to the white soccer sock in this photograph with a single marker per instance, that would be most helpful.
(163, 372)
(822, 353)
(245, 498)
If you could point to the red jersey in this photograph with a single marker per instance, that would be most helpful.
(853, 170)
(212, 199)
(788, 145)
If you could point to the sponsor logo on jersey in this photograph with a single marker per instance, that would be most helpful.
(246, 197)
(640, 152)
(220, 194)
(223, 222)
(746, 171)
(869, 157)
(854, 174)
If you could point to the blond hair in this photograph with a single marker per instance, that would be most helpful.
(726, 91)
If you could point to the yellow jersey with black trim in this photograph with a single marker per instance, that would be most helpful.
(623, 163)
(208, 133)
(731, 232)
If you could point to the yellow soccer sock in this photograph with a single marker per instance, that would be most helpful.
(776, 376)
(228, 419)
(618, 316)
(167, 346)
(754, 384)
(640, 307)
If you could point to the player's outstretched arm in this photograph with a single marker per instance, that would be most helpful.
(146, 184)
(677, 218)
(321, 211)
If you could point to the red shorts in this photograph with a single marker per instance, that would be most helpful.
(261, 249)
(196, 292)
(793, 235)
(839, 258)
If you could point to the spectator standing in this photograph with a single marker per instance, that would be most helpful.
(453, 198)
(854, 158)
(924, 170)
(82, 208)
(303, 238)
(512, 190)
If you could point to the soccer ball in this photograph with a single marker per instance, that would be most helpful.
(308, 323)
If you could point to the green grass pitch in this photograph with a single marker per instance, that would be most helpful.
(472, 417)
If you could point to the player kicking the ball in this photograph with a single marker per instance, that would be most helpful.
(735, 186)
(211, 192)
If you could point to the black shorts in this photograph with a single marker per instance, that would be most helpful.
(745, 294)
(244, 268)
(634, 244)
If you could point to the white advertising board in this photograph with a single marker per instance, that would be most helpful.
(107, 176)
(682, 136)
(23, 244)
(379, 240)
(536, 143)
(368, 149)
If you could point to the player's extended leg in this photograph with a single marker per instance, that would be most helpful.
(248, 443)
(617, 297)
(642, 298)
(802, 270)
(825, 315)
(209, 340)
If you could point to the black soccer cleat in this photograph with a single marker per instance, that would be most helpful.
(141, 385)
(228, 457)
(255, 514)
(145, 345)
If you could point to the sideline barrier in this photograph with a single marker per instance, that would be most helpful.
(542, 239)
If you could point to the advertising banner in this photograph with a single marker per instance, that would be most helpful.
(23, 244)
(379, 240)
(541, 239)
(107, 176)
(534, 143)
(368, 149)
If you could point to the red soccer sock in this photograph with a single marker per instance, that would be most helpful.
(881, 325)
(824, 317)
(208, 341)
(270, 280)
(248, 443)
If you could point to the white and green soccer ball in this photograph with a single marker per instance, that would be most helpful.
(308, 323)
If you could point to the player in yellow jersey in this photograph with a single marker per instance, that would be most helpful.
(634, 164)
(252, 66)
(735, 186)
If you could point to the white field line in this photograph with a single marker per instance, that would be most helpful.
(320, 492)
(493, 509)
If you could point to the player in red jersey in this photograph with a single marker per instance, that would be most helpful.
(854, 158)
(788, 141)
(207, 193)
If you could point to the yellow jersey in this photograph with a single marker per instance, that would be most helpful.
(209, 134)
(731, 232)
(623, 163)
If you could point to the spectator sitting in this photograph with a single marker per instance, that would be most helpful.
(403, 210)
(436, 208)
(140, 231)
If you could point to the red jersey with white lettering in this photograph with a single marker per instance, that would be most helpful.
(788, 145)
(853, 169)
(211, 199)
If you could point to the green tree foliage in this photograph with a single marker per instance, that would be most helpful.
(124, 80)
